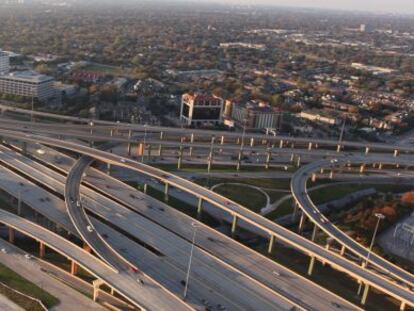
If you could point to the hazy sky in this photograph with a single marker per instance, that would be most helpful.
(404, 6)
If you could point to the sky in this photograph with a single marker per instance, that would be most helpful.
(401, 6)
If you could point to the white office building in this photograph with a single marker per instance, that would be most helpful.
(27, 84)
(4, 63)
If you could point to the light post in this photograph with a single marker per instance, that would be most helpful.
(187, 280)
(379, 218)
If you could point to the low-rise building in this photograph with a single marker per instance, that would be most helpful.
(27, 84)
(201, 109)
(319, 116)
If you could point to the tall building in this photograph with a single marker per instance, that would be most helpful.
(4, 63)
(256, 115)
(27, 84)
(201, 109)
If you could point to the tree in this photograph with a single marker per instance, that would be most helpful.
(408, 199)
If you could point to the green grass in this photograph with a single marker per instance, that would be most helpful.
(246, 196)
(17, 282)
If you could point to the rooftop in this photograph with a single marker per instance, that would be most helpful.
(27, 76)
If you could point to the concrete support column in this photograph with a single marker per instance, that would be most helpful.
(365, 294)
(343, 249)
(199, 207)
(281, 144)
(129, 144)
(362, 169)
(314, 231)
(310, 146)
(210, 161)
(180, 158)
(311, 265)
(331, 174)
(87, 248)
(322, 170)
(167, 186)
(313, 177)
(239, 158)
(145, 188)
(301, 222)
(338, 148)
(295, 211)
(191, 147)
(108, 168)
(160, 146)
(252, 142)
(402, 306)
(73, 268)
(42, 250)
(111, 133)
(292, 157)
(396, 153)
(298, 161)
(271, 242)
(234, 225)
(366, 150)
(11, 235)
(380, 166)
(268, 157)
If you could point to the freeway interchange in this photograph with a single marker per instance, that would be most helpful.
(85, 217)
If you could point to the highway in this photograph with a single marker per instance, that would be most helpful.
(299, 191)
(235, 209)
(207, 270)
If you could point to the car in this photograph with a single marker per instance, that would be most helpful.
(334, 161)
(89, 228)
(123, 160)
(78, 204)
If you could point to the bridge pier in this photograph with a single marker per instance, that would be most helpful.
(298, 161)
(221, 142)
(199, 208)
(239, 158)
(129, 143)
(19, 203)
(313, 177)
(73, 268)
(295, 210)
(380, 166)
(252, 142)
(180, 157)
(402, 306)
(210, 161)
(11, 235)
(281, 144)
(271, 243)
(167, 186)
(310, 146)
(362, 169)
(234, 225)
(366, 150)
(331, 174)
(191, 147)
(314, 231)
(301, 222)
(160, 145)
(42, 250)
(396, 153)
(365, 295)
(311, 265)
(343, 249)
(145, 188)
(338, 148)
(268, 157)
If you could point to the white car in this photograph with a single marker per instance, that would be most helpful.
(89, 228)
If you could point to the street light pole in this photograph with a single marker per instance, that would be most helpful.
(187, 280)
(379, 218)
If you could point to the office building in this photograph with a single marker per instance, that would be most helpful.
(4, 63)
(27, 84)
(255, 115)
(201, 109)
